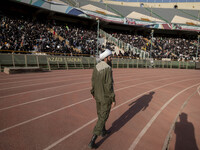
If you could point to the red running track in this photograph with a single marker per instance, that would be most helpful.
(55, 110)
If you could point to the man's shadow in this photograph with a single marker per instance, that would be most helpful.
(140, 104)
(185, 137)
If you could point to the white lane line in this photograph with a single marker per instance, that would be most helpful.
(42, 79)
(61, 86)
(26, 85)
(45, 98)
(148, 125)
(44, 89)
(14, 87)
(198, 89)
(36, 76)
(80, 128)
(46, 76)
(168, 137)
(22, 123)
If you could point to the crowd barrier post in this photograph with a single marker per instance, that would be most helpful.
(58, 64)
(88, 63)
(25, 58)
(66, 64)
(128, 63)
(187, 65)
(118, 62)
(74, 64)
(112, 64)
(146, 64)
(48, 64)
(171, 64)
(37, 61)
(13, 60)
(94, 61)
(82, 64)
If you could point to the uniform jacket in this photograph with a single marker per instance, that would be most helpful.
(102, 83)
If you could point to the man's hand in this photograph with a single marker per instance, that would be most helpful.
(113, 104)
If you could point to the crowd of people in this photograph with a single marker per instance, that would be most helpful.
(25, 35)
(161, 47)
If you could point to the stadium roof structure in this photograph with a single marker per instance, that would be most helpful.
(167, 15)
(149, 17)
(98, 10)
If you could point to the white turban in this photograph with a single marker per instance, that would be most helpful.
(105, 54)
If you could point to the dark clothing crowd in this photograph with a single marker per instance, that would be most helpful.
(161, 47)
(25, 35)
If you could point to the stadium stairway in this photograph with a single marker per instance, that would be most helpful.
(116, 49)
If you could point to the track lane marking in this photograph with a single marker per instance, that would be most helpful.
(33, 85)
(148, 125)
(46, 76)
(50, 82)
(35, 76)
(27, 121)
(50, 76)
(54, 87)
(168, 137)
(39, 80)
(198, 89)
(45, 98)
(80, 128)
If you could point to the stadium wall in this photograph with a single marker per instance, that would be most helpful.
(52, 62)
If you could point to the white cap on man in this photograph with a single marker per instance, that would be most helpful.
(105, 54)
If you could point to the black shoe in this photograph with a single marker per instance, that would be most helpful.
(92, 144)
(105, 132)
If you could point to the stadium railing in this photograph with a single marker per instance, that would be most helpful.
(56, 62)
(124, 46)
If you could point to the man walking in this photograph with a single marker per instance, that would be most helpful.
(103, 92)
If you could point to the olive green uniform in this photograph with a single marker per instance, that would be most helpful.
(103, 92)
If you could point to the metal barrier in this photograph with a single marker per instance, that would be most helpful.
(125, 46)
(71, 62)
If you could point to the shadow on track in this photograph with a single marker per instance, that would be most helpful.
(135, 107)
(185, 136)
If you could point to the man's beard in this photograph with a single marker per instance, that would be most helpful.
(109, 63)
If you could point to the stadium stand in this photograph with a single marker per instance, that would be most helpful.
(63, 38)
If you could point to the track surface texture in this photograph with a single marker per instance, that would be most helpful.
(156, 109)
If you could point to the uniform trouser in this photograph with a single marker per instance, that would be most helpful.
(103, 111)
